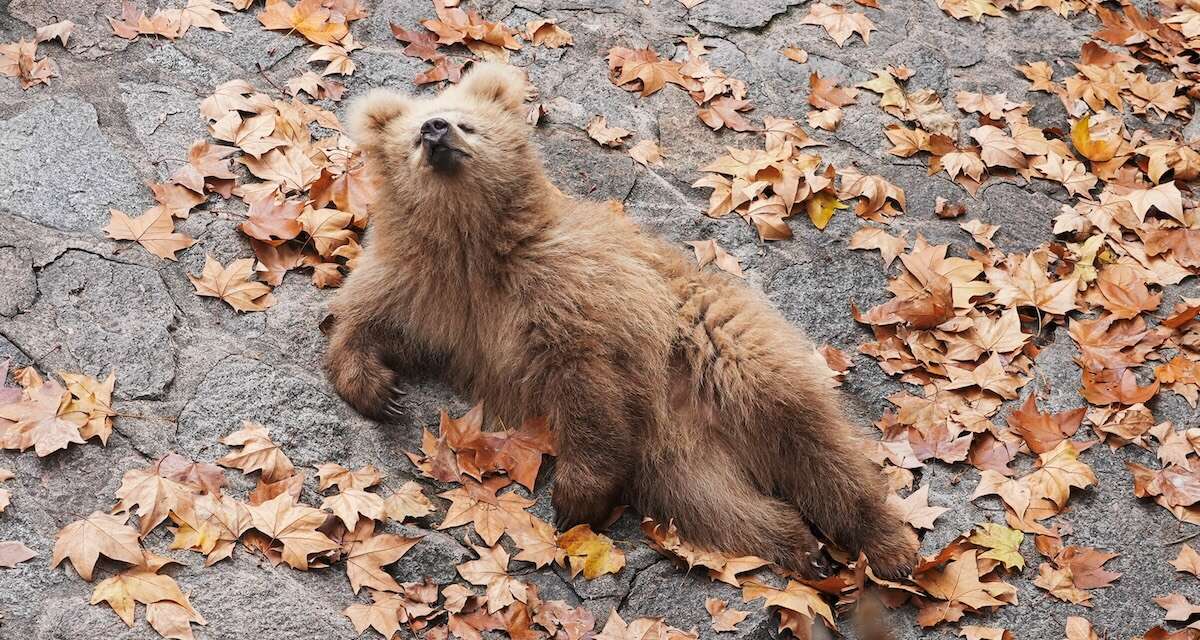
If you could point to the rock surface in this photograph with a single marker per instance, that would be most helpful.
(189, 370)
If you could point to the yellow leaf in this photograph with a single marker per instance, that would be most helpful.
(821, 208)
(590, 552)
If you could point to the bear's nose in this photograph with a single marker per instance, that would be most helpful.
(434, 129)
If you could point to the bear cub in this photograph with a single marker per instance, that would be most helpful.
(682, 393)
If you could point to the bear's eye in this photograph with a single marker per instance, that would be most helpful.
(466, 128)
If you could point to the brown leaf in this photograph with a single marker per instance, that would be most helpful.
(1188, 561)
(257, 453)
(724, 618)
(547, 34)
(365, 560)
(491, 570)
(725, 111)
(1043, 431)
(233, 285)
(83, 541)
(154, 230)
(915, 509)
(14, 553)
(839, 23)
(708, 251)
(294, 526)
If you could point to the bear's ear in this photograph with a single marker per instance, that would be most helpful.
(496, 82)
(370, 114)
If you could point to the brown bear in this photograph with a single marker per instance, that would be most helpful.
(682, 393)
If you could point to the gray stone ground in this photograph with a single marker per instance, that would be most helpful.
(123, 112)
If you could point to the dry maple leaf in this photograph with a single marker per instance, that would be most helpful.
(974, 632)
(61, 30)
(366, 558)
(258, 453)
(233, 285)
(607, 136)
(309, 18)
(14, 553)
(725, 111)
(1123, 292)
(154, 230)
(289, 169)
(273, 221)
(1178, 609)
(629, 67)
(1110, 386)
(491, 570)
(973, 9)
(205, 477)
(407, 502)
(796, 598)
(1002, 544)
(724, 618)
(210, 524)
(352, 504)
(646, 153)
(83, 541)
(872, 238)
(1059, 470)
(989, 376)
(709, 252)
(337, 56)
(43, 419)
(536, 540)
(478, 503)
(1027, 284)
(151, 497)
(547, 34)
(1043, 431)
(1096, 144)
(958, 587)
(327, 228)
(1080, 629)
(382, 615)
(205, 160)
(915, 509)
(143, 585)
(839, 23)
(825, 93)
(1188, 561)
(331, 474)
(293, 525)
(591, 553)
(1074, 571)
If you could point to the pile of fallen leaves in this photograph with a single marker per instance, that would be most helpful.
(308, 206)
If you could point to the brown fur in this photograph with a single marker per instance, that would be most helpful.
(680, 391)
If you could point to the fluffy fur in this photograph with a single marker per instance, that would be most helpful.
(680, 392)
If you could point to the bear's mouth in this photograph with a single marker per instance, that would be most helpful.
(442, 156)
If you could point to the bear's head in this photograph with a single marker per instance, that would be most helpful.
(471, 134)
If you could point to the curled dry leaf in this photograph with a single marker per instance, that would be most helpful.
(724, 618)
(607, 136)
(708, 251)
(646, 153)
(547, 34)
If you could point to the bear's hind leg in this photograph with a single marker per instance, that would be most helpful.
(714, 505)
(842, 493)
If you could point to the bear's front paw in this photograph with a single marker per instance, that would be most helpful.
(366, 384)
(893, 555)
